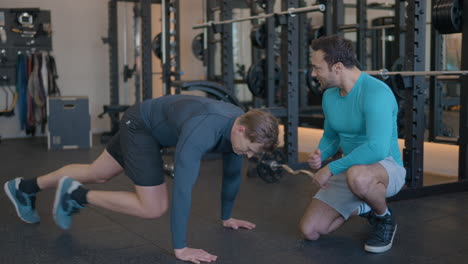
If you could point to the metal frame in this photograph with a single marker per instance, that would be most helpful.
(210, 44)
(328, 18)
(414, 112)
(112, 39)
(290, 37)
(410, 33)
(227, 61)
(413, 152)
(170, 35)
(147, 68)
(303, 58)
(463, 140)
(338, 16)
(361, 20)
(257, 53)
(114, 108)
(270, 60)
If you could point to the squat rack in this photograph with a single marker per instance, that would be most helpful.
(289, 20)
(410, 23)
(115, 108)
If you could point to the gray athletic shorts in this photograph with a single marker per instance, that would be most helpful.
(339, 196)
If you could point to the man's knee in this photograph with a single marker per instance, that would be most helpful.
(358, 179)
(155, 210)
(311, 231)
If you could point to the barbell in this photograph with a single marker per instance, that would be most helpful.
(290, 12)
(271, 168)
(384, 73)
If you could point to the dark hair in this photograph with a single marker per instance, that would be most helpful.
(336, 49)
(261, 127)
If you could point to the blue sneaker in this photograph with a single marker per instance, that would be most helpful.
(64, 205)
(24, 203)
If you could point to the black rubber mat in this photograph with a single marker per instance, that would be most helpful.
(430, 230)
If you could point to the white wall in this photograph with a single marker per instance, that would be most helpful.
(191, 13)
(81, 57)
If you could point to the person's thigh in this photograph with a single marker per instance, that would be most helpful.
(387, 172)
(141, 153)
(105, 167)
(339, 196)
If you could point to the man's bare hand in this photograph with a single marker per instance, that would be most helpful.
(236, 223)
(194, 255)
(315, 159)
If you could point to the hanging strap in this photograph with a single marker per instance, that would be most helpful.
(9, 108)
(36, 95)
(52, 77)
(21, 88)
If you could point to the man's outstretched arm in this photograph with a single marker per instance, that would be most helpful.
(232, 175)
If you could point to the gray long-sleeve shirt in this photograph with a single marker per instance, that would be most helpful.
(195, 125)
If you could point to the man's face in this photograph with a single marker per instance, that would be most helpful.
(322, 72)
(241, 145)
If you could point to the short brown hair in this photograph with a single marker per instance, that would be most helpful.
(336, 49)
(261, 127)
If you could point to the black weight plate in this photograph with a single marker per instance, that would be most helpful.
(256, 78)
(157, 46)
(265, 171)
(258, 36)
(447, 16)
(197, 46)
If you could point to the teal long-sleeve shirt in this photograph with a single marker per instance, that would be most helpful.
(194, 125)
(363, 123)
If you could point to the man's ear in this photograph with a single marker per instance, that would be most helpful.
(338, 67)
(241, 129)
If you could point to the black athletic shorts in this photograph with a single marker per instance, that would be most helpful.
(136, 150)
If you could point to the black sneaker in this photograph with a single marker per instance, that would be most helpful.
(381, 237)
(370, 216)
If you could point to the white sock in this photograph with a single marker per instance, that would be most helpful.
(387, 212)
(363, 208)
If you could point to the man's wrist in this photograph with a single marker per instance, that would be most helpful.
(329, 171)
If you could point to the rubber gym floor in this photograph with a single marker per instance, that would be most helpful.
(431, 229)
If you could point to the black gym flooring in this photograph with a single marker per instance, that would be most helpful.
(431, 229)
